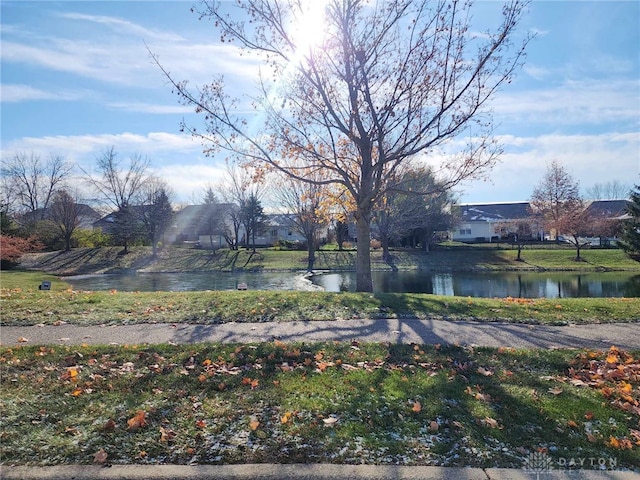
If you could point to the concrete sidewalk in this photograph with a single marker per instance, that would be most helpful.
(296, 472)
(596, 336)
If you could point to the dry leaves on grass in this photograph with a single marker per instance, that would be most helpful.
(616, 374)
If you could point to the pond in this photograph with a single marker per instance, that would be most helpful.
(494, 284)
(465, 284)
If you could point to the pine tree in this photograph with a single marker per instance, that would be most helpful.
(630, 238)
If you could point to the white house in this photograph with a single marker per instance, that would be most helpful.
(478, 222)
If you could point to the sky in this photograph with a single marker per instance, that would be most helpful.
(77, 79)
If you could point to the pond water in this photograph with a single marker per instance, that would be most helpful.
(489, 284)
(494, 284)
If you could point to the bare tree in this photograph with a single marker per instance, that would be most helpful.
(555, 195)
(518, 231)
(389, 81)
(243, 188)
(32, 182)
(122, 189)
(65, 215)
(309, 205)
(613, 190)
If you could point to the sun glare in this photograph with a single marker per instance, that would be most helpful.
(309, 28)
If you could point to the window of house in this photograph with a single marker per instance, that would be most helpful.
(274, 232)
(465, 231)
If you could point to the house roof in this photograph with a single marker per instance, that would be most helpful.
(608, 208)
(488, 212)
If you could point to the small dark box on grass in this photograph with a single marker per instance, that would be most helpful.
(44, 285)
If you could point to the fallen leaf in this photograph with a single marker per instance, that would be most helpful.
(167, 435)
(137, 421)
(433, 426)
(491, 422)
(100, 456)
(253, 425)
(555, 390)
(572, 424)
(22, 340)
(484, 371)
(416, 407)
(109, 426)
(330, 421)
(285, 418)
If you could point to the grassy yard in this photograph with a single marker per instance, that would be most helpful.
(331, 402)
(171, 259)
(23, 304)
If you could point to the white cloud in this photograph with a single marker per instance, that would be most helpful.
(120, 25)
(119, 55)
(589, 159)
(21, 93)
(573, 102)
(140, 107)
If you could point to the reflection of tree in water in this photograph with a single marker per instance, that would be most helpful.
(632, 287)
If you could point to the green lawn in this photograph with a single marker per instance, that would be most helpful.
(330, 402)
(23, 304)
(172, 259)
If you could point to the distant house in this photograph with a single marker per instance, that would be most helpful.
(86, 215)
(107, 223)
(280, 227)
(478, 222)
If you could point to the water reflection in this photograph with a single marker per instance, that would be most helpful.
(489, 284)
(494, 284)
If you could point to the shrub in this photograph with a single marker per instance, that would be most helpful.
(12, 248)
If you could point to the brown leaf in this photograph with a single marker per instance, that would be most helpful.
(253, 425)
(484, 371)
(167, 435)
(137, 421)
(491, 422)
(22, 340)
(416, 407)
(100, 456)
(555, 390)
(109, 426)
(433, 426)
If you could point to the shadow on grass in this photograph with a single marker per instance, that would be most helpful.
(449, 405)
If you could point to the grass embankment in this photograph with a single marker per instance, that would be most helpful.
(335, 402)
(171, 259)
(23, 304)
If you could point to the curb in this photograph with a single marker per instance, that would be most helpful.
(294, 472)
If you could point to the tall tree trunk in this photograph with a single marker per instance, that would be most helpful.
(384, 240)
(311, 255)
(364, 282)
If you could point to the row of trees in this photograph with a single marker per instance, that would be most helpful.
(38, 203)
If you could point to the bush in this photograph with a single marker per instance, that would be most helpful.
(375, 244)
(90, 238)
(12, 248)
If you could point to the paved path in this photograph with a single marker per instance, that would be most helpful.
(599, 336)
(297, 472)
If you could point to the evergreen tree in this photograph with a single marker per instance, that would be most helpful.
(630, 238)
